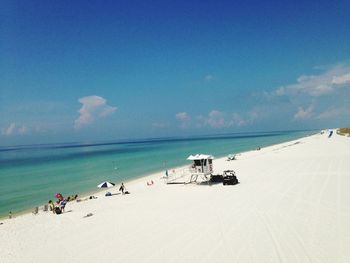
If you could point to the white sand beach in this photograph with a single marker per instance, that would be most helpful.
(292, 205)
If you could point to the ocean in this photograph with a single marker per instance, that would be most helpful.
(31, 175)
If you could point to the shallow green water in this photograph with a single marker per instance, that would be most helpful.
(31, 175)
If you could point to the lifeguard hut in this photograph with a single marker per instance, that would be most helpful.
(202, 166)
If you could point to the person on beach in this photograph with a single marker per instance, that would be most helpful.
(52, 206)
(63, 205)
(122, 188)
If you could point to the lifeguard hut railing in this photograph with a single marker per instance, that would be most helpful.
(182, 176)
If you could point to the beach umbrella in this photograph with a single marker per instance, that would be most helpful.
(106, 185)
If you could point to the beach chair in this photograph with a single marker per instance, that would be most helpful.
(231, 157)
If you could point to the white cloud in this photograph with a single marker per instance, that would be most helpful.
(182, 116)
(341, 80)
(313, 90)
(304, 114)
(107, 110)
(218, 119)
(23, 130)
(329, 114)
(237, 119)
(9, 130)
(92, 108)
(14, 129)
(334, 113)
(318, 85)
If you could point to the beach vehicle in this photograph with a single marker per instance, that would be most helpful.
(229, 178)
(216, 178)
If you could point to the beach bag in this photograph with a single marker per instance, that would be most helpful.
(58, 211)
(108, 194)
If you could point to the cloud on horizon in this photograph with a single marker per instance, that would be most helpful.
(184, 119)
(304, 114)
(334, 112)
(313, 98)
(14, 129)
(318, 85)
(216, 119)
(93, 107)
(182, 116)
(322, 98)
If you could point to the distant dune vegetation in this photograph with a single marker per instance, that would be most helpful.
(344, 131)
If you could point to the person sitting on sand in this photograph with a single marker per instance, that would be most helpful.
(122, 188)
(72, 198)
(52, 206)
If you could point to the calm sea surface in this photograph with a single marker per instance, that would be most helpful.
(31, 175)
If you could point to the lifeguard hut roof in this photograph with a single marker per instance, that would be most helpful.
(199, 157)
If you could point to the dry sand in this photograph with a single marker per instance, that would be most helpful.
(292, 205)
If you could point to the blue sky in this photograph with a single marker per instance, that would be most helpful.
(109, 70)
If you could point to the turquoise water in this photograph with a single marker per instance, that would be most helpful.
(31, 175)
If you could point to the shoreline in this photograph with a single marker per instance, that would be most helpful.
(84, 195)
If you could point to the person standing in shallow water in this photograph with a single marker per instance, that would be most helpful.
(122, 188)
